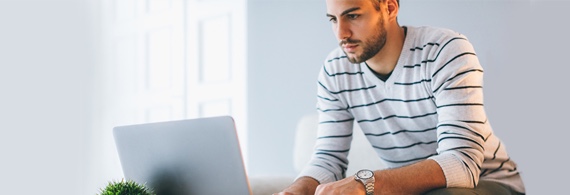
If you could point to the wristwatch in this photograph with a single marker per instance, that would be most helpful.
(366, 177)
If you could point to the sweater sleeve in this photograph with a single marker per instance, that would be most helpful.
(457, 82)
(334, 135)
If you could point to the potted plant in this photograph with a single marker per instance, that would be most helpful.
(126, 188)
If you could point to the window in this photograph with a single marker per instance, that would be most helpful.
(169, 60)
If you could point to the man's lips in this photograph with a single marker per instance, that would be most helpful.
(349, 47)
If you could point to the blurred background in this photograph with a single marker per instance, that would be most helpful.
(71, 70)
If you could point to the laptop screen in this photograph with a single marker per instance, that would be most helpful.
(194, 156)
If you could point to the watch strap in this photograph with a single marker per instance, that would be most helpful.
(369, 188)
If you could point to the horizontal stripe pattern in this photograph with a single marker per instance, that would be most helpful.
(430, 107)
(347, 90)
(422, 48)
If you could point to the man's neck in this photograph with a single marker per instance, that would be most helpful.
(385, 60)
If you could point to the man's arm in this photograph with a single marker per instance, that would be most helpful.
(413, 179)
(417, 178)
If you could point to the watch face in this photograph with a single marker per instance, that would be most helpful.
(365, 174)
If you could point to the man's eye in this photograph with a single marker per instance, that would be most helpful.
(333, 20)
(352, 16)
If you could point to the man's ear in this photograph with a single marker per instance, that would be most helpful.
(392, 8)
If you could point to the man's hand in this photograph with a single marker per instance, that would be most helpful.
(285, 193)
(345, 186)
(301, 186)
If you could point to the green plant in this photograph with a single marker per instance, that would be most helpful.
(126, 188)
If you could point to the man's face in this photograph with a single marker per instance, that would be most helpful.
(358, 26)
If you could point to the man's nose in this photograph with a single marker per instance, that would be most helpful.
(343, 30)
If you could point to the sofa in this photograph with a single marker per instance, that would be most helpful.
(361, 156)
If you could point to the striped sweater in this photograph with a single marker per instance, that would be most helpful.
(431, 107)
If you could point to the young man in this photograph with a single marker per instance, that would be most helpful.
(416, 93)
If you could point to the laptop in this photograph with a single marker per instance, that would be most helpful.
(195, 156)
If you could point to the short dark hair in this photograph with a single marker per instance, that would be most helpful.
(377, 3)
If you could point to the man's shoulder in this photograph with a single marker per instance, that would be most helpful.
(446, 46)
(337, 59)
(433, 30)
(433, 34)
(444, 41)
(336, 55)
(337, 62)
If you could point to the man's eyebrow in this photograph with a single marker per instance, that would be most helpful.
(345, 12)
(349, 10)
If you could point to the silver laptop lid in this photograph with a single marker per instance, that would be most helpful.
(195, 156)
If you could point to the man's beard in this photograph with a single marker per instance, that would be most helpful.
(370, 47)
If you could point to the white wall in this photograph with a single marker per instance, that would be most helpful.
(47, 54)
(522, 46)
(287, 43)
